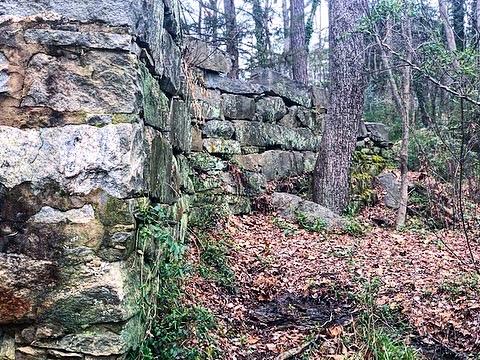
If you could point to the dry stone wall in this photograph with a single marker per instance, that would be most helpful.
(93, 122)
(98, 120)
(247, 134)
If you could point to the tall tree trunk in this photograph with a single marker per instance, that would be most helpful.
(449, 34)
(232, 35)
(286, 36)
(214, 20)
(260, 40)
(347, 85)
(407, 101)
(458, 22)
(298, 47)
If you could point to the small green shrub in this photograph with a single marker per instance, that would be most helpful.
(354, 227)
(214, 263)
(315, 225)
(288, 228)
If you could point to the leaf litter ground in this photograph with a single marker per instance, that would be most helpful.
(294, 290)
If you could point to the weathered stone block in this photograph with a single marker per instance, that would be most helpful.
(218, 129)
(270, 109)
(233, 86)
(204, 56)
(80, 158)
(254, 133)
(155, 103)
(205, 162)
(181, 133)
(275, 83)
(94, 82)
(94, 40)
(221, 146)
(238, 107)
(273, 164)
(172, 70)
(160, 168)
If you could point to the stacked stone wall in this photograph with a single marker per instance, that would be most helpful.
(98, 120)
(93, 124)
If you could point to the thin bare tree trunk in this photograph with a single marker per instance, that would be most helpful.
(447, 27)
(347, 85)
(286, 35)
(298, 47)
(407, 100)
(232, 35)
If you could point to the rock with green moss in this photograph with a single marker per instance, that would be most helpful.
(181, 126)
(205, 162)
(254, 133)
(222, 146)
(160, 169)
(155, 103)
(270, 109)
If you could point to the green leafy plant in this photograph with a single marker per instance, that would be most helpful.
(214, 262)
(315, 225)
(171, 324)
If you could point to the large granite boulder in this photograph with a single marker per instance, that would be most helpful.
(292, 206)
(80, 158)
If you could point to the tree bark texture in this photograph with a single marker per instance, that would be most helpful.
(231, 35)
(458, 22)
(298, 46)
(347, 85)
(407, 107)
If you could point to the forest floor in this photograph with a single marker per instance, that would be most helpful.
(278, 291)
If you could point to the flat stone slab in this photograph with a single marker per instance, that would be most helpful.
(80, 158)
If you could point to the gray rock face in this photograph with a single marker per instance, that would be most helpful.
(181, 133)
(79, 158)
(112, 12)
(271, 109)
(378, 132)
(87, 83)
(233, 86)
(94, 40)
(275, 164)
(76, 216)
(267, 135)
(238, 107)
(276, 84)
(289, 206)
(206, 57)
(172, 70)
(391, 185)
(3, 74)
(218, 129)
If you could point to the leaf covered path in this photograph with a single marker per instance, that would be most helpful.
(294, 289)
